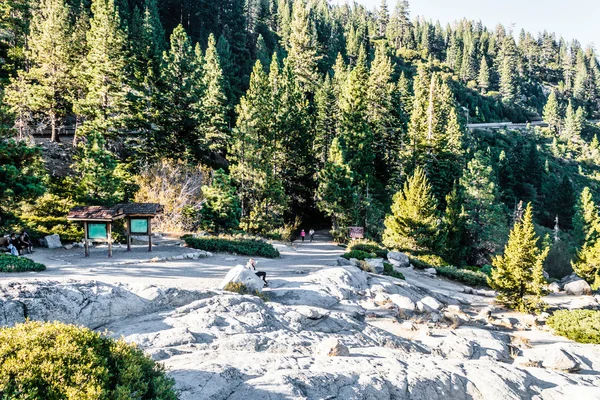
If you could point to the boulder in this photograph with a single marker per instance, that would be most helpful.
(554, 287)
(428, 303)
(68, 246)
(333, 348)
(341, 261)
(559, 360)
(569, 278)
(53, 241)
(430, 271)
(398, 259)
(578, 288)
(241, 274)
(376, 264)
(402, 302)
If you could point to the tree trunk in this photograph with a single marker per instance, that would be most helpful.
(54, 137)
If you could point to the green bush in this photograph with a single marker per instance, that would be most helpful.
(55, 361)
(247, 247)
(388, 269)
(466, 276)
(240, 288)
(369, 247)
(359, 255)
(487, 269)
(582, 326)
(9, 263)
(473, 268)
(463, 275)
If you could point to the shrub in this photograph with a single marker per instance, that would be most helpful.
(463, 275)
(247, 247)
(9, 263)
(487, 269)
(359, 255)
(388, 269)
(365, 266)
(240, 288)
(369, 247)
(473, 268)
(582, 326)
(57, 361)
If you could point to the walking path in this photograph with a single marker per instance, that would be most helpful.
(205, 273)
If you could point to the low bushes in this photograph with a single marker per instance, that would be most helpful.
(388, 269)
(466, 276)
(369, 247)
(359, 255)
(582, 326)
(58, 361)
(240, 288)
(247, 247)
(9, 263)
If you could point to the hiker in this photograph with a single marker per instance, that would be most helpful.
(302, 235)
(26, 242)
(312, 234)
(251, 265)
(14, 245)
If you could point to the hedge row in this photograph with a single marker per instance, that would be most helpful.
(582, 326)
(247, 247)
(463, 275)
(9, 263)
(359, 255)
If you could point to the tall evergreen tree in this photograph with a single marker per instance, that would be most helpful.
(518, 274)
(413, 223)
(103, 71)
(213, 126)
(483, 81)
(325, 121)
(454, 225)
(486, 220)
(48, 80)
(551, 113)
(221, 208)
(302, 47)
(508, 71)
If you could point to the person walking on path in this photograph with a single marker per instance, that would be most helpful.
(302, 235)
(312, 234)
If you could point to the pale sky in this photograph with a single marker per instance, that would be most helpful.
(572, 19)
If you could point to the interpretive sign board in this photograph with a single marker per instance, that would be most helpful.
(357, 232)
(97, 231)
(139, 226)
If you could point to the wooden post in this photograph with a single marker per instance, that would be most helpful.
(150, 234)
(85, 235)
(109, 234)
(128, 234)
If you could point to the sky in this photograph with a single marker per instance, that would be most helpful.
(572, 19)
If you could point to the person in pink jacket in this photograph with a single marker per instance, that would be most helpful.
(302, 235)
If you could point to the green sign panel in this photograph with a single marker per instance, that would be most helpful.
(139, 225)
(97, 231)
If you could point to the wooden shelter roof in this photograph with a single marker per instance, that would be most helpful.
(107, 214)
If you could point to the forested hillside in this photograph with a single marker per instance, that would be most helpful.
(249, 114)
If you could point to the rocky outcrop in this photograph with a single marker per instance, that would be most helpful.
(578, 287)
(398, 259)
(326, 335)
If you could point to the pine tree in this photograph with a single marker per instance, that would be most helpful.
(254, 149)
(486, 220)
(178, 135)
(454, 224)
(399, 28)
(48, 80)
(325, 121)
(221, 208)
(586, 221)
(383, 17)
(213, 127)
(413, 224)
(574, 123)
(383, 117)
(104, 71)
(335, 193)
(99, 179)
(302, 47)
(551, 113)
(508, 71)
(483, 81)
(518, 274)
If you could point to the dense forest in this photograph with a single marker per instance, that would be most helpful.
(261, 115)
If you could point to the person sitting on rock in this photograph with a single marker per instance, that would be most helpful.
(251, 265)
(14, 245)
(26, 242)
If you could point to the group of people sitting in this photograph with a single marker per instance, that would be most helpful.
(19, 244)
